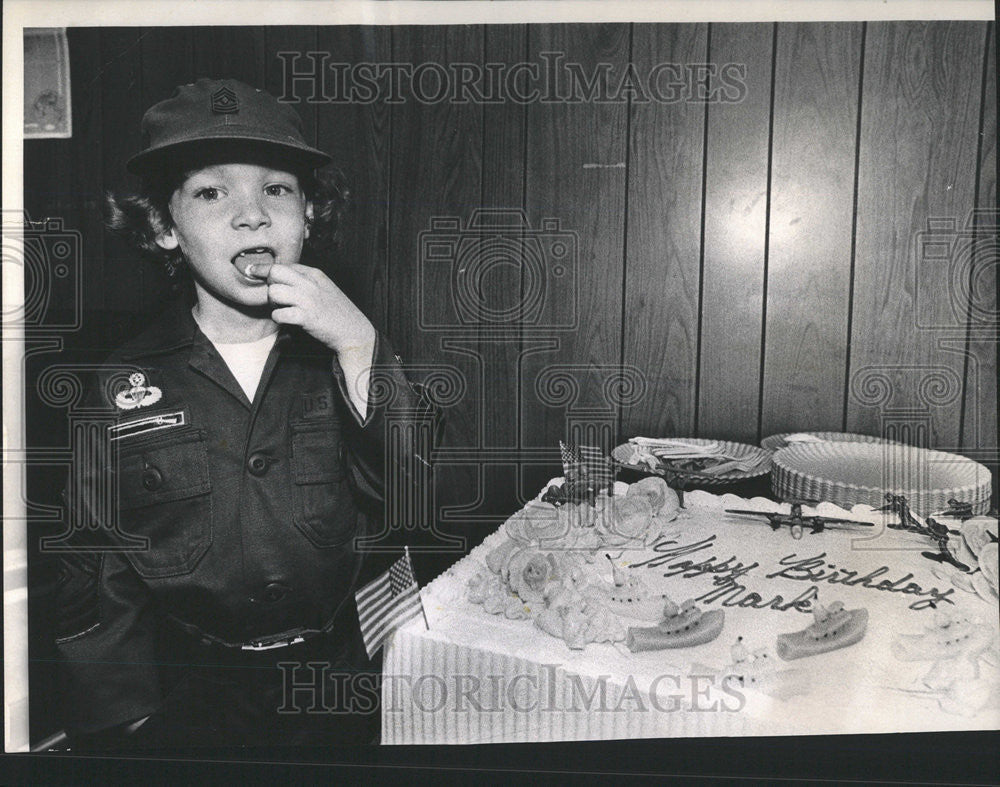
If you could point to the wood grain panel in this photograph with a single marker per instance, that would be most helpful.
(576, 175)
(167, 63)
(918, 148)
(230, 53)
(50, 194)
(503, 190)
(809, 254)
(48, 187)
(436, 172)
(84, 175)
(53, 196)
(122, 107)
(662, 273)
(295, 43)
(357, 135)
(735, 224)
(499, 353)
(979, 427)
(919, 137)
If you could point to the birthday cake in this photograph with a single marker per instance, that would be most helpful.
(629, 615)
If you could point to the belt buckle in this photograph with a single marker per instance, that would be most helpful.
(281, 643)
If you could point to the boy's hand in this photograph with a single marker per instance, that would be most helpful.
(306, 297)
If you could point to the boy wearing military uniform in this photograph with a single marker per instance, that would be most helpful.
(248, 435)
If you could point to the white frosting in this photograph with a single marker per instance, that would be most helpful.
(857, 689)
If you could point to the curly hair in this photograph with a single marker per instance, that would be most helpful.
(141, 216)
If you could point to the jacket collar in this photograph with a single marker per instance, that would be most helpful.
(175, 329)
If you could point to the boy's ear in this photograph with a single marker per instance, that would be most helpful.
(309, 217)
(167, 240)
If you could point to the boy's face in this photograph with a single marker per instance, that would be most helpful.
(228, 216)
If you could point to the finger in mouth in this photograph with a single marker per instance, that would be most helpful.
(254, 262)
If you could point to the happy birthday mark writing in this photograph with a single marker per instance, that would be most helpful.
(731, 593)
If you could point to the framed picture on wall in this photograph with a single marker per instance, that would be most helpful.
(47, 108)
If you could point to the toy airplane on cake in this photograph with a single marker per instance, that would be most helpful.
(957, 510)
(796, 522)
(936, 531)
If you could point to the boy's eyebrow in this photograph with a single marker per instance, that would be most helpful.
(215, 176)
(281, 173)
(214, 171)
(201, 173)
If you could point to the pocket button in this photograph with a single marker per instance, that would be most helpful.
(257, 464)
(152, 479)
(274, 591)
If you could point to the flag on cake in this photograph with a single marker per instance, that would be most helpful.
(586, 466)
(387, 602)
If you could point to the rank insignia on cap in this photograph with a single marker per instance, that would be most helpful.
(225, 102)
(139, 395)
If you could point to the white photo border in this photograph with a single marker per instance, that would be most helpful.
(21, 14)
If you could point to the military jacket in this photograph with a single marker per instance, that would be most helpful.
(234, 521)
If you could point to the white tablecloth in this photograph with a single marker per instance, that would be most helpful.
(440, 692)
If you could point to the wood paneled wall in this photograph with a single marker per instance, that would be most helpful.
(756, 263)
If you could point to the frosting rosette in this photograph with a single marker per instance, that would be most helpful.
(529, 571)
(577, 516)
(976, 547)
(580, 622)
(487, 589)
(980, 537)
(662, 498)
(625, 520)
(538, 523)
(978, 532)
(988, 567)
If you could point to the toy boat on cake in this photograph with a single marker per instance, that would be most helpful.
(758, 671)
(682, 627)
(628, 595)
(949, 637)
(834, 627)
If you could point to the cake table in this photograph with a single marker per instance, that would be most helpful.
(918, 651)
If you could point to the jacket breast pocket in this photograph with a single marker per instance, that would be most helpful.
(165, 496)
(323, 507)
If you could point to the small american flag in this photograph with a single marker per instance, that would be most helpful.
(388, 601)
(587, 465)
(598, 466)
(574, 470)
